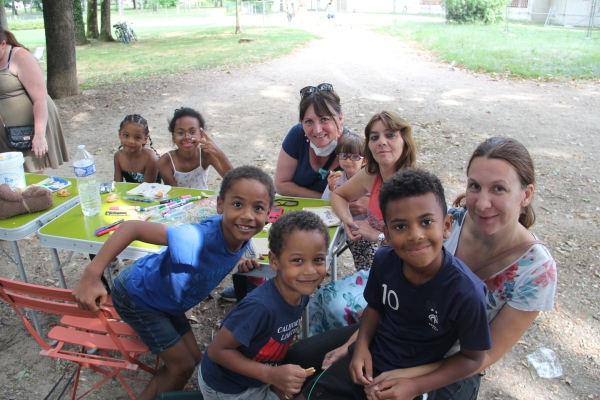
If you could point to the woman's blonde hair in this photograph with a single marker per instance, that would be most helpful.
(395, 123)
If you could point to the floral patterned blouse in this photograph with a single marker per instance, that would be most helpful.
(528, 284)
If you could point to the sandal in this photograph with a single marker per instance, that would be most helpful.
(194, 323)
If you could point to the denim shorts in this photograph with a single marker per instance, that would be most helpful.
(158, 332)
(260, 393)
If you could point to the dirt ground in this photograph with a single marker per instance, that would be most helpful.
(249, 109)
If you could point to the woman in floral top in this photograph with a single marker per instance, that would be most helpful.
(491, 219)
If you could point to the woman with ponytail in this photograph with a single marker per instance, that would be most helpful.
(490, 233)
(24, 101)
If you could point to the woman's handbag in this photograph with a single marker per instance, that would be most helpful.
(18, 137)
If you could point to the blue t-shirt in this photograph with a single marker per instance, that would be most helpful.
(297, 147)
(264, 323)
(182, 274)
(419, 324)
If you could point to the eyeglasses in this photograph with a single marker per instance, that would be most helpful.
(323, 87)
(285, 203)
(191, 134)
(353, 157)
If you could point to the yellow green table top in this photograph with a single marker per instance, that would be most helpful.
(73, 231)
(20, 226)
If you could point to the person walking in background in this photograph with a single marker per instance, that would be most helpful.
(331, 11)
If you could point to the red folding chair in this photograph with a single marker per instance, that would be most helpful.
(79, 331)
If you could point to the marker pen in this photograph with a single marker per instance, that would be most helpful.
(109, 226)
(137, 199)
(104, 232)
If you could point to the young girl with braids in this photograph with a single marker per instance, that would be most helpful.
(134, 162)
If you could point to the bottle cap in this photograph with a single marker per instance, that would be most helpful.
(81, 146)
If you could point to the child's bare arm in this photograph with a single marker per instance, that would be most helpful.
(89, 288)
(165, 167)
(452, 369)
(118, 176)
(223, 350)
(361, 366)
(213, 155)
(151, 167)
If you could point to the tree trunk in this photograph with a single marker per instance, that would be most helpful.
(60, 48)
(92, 19)
(238, 17)
(120, 7)
(3, 20)
(14, 9)
(134, 5)
(105, 25)
(79, 25)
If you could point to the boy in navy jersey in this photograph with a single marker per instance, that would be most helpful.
(243, 360)
(421, 300)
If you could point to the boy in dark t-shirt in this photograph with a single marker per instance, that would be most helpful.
(421, 300)
(242, 362)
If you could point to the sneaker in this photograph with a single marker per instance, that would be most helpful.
(115, 266)
(229, 293)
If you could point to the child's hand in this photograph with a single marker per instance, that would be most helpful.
(207, 144)
(288, 378)
(334, 355)
(395, 389)
(86, 293)
(250, 264)
(361, 361)
(332, 179)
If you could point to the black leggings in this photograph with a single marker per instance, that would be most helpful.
(311, 352)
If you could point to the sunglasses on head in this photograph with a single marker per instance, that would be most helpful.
(323, 87)
(353, 157)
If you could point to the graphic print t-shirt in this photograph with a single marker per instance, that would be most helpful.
(264, 323)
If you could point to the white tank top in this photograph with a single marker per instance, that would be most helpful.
(195, 179)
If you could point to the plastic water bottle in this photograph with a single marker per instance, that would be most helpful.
(89, 189)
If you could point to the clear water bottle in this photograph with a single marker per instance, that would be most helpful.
(89, 188)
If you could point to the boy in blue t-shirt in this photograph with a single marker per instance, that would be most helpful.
(421, 300)
(153, 294)
(243, 360)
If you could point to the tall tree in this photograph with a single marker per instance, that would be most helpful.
(238, 17)
(79, 25)
(60, 48)
(92, 19)
(105, 25)
(3, 20)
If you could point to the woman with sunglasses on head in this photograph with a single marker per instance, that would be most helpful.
(389, 147)
(307, 154)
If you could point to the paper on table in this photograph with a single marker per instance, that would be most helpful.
(149, 190)
(54, 183)
(326, 214)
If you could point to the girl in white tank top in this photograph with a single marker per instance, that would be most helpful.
(187, 166)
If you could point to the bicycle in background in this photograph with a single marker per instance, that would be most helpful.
(124, 33)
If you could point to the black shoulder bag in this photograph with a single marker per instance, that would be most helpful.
(18, 137)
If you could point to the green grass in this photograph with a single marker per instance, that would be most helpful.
(178, 44)
(528, 51)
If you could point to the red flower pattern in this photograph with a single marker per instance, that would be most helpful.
(496, 282)
(548, 276)
(359, 280)
(348, 317)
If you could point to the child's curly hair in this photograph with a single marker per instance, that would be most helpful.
(293, 221)
(248, 172)
(411, 182)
